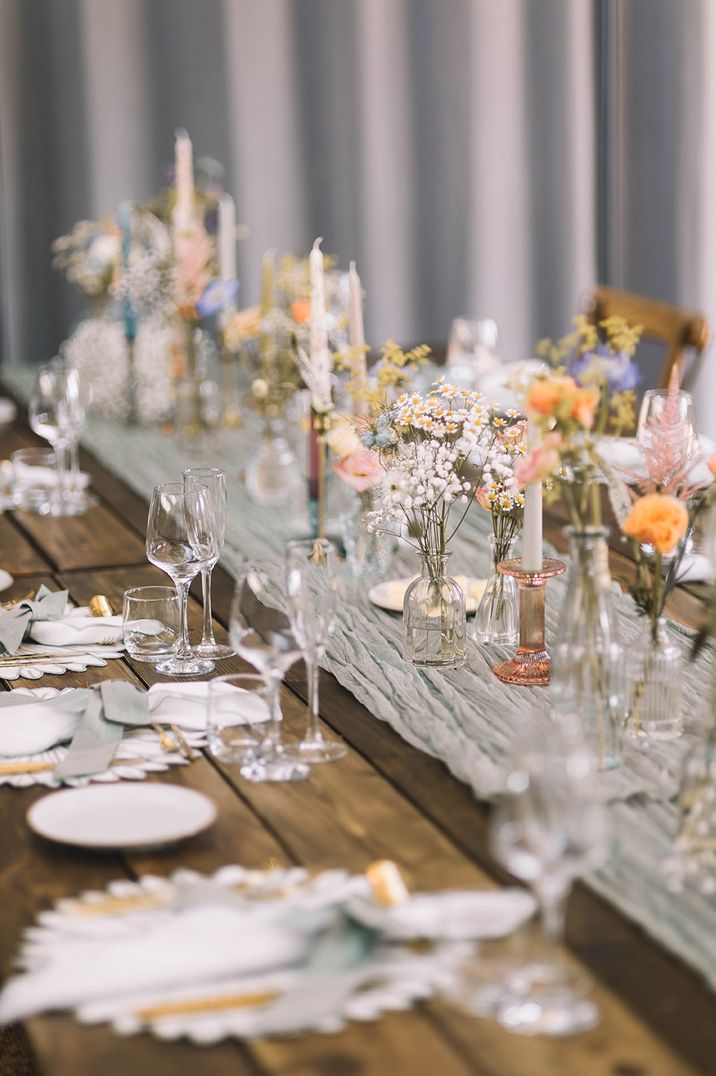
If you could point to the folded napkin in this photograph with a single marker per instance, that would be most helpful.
(695, 568)
(101, 727)
(76, 627)
(186, 705)
(14, 623)
(190, 947)
(29, 725)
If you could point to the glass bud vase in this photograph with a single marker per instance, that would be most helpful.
(587, 686)
(368, 553)
(653, 671)
(497, 619)
(434, 624)
(272, 472)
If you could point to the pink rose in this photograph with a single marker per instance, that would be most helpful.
(361, 470)
(540, 462)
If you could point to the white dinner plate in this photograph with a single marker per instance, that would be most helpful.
(389, 595)
(6, 580)
(122, 816)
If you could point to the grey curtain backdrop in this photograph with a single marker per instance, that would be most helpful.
(479, 157)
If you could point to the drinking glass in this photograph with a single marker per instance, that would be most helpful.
(214, 479)
(660, 415)
(471, 353)
(262, 635)
(34, 479)
(151, 622)
(241, 722)
(181, 540)
(56, 413)
(547, 829)
(312, 591)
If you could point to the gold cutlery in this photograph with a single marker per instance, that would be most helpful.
(8, 769)
(167, 744)
(48, 655)
(211, 1004)
(190, 753)
(16, 601)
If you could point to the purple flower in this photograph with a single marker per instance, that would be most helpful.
(619, 371)
(217, 296)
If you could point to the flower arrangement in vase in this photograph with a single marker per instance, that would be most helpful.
(424, 442)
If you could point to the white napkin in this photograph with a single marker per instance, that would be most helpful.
(452, 915)
(195, 946)
(29, 725)
(186, 705)
(77, 628)
(695, 568)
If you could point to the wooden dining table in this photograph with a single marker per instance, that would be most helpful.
(385, 800)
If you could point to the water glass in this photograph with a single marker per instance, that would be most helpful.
(240, 718)
(151, 622)
(34, 479)
(56, 412)
(214, 479)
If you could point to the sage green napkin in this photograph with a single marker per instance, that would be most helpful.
(46, 605)
(112, 706)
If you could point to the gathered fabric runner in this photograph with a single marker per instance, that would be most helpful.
(466, 718)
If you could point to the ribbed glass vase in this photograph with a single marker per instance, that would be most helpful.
(497, 619)
(653, 669)
(587, 686)
(434, 623)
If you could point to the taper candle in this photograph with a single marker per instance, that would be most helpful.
(227, 237)
(184, 182)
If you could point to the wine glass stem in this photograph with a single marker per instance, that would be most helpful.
(60, 476)
(75, 467)
(184, 649)
(273, 737)
(313, 731)
(552, 905)
(207, 635)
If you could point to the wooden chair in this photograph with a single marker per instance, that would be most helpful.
(673, 326)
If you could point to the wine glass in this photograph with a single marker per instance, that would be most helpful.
(214, 479)
(181, 540)
(262, 635)
(663, 415)
(547, 829)
(312, 591)
(56, 413)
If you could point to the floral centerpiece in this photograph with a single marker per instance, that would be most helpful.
(497, 616)
(426, 444)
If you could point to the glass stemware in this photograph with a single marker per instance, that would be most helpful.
(312, 590)
(214, 479)
(547, 829)
(56, 412)
(262, 635)
(181, 540)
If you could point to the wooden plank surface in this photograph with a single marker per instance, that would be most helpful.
(385, 799)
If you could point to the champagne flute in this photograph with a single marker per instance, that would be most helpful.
(55, 412)
(214, 479)
(312, 590)
(181, 540)
(262, 635)
(547, 829)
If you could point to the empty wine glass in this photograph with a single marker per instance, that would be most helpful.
(663, 416)
(181, 540)
(262, 635)
(56, 413)
(547, 829)
(214, 479)
(312, 590)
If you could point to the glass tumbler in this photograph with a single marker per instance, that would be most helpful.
(34, 478)
(151, 622)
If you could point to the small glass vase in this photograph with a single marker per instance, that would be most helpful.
(368, 553)
(272, 473)
(587, 686)
(197, 406)
(497, 619)
(653, 671)
(434, 623)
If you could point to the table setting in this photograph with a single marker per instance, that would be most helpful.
(381, 521)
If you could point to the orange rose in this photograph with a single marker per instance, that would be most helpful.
(584, 406)
(711, 464)
(546, 394)
(301, 310)
(658, 519)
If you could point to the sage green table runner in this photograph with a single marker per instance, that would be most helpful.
(466, 717)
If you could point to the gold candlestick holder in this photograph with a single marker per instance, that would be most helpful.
(531, 666)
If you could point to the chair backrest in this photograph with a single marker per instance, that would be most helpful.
(673, 326)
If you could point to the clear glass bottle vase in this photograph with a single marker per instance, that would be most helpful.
(434, 622)
(368, 553)
(653, 672)
(497, 619)
(587, 686)
(272, 472)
